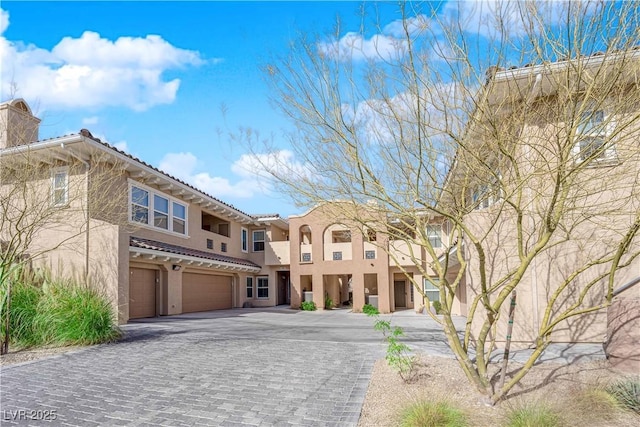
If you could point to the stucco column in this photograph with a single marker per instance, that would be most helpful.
(174, 291)
(318, 291)
(357, 286)
(296, 291)
(385, 291)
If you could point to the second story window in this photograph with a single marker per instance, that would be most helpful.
(179, 218)
(434, 234)
(258, 241)
(156, 210)
(591, 137)
(160, 212)
(60, 187)
(244, 237)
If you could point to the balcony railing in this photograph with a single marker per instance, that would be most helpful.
(305, 253)
(343, 248)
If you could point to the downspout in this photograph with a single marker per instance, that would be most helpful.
(87, 168)
(534, 277)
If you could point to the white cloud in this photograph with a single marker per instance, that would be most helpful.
(92, 71)
(353, 46)
(252, 171)
(90, 120)
(4, 20)
(489, 18)
(414, 26)
(265, 166)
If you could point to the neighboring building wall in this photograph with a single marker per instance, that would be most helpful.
(606, 200)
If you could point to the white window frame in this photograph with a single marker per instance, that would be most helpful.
(249, 287)
(434, 231)
(151, 210)
(244, 239)
(254, 241)
(429, 288)
(488, 194)
(602, 130)
(64, 188)
(264, 280)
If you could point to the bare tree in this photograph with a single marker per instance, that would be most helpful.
(532, 171)
(51, 199)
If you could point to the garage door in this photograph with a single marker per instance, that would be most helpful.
(142, 293)
(203, 292)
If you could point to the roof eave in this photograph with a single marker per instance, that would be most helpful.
(152, 254)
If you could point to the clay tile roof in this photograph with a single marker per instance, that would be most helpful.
(87, 134)
(139, 242)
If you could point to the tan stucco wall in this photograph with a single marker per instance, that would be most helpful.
(324, 273)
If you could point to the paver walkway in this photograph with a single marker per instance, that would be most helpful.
(225, 368)
(228, 368)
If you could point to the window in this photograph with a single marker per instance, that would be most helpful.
(431, 291)
(258, 241)
(245, 239)
(156, 210)
(209, 244)
(486, 195)
(337, 256)
(223, 247)
(249, 287)
(179, 218)
(263, 287)
(591, 137)
(60, 187)
(139, 205)
(434, 234)
(370, 254)
(160, 212)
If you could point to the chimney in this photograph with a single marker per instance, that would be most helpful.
(18, 126)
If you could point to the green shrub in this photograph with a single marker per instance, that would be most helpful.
(308, 306)
(328, 302)
(370, 310)
(627, 393)
(56, 312)
(433, 414)
(533, 415)
(398, 353)
(72, 314)
(437, 306)
(24, 302)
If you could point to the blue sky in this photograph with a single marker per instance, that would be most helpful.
(152, 78)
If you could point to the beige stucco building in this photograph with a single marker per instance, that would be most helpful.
(154, 244)
(159, 246)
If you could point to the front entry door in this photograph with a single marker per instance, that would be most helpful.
(400, 294)
(284, 290)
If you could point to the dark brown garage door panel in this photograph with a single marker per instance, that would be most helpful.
(142, 293)
(204, 292)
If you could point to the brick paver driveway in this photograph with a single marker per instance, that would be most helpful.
(229, 368)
